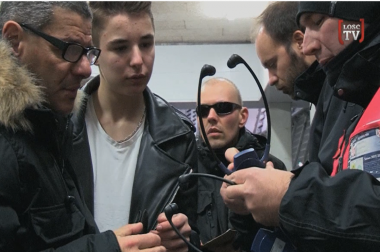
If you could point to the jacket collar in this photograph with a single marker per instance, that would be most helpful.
(18, 91)
(157, 113)
(246, 140)
(309, 84)
(354, 74)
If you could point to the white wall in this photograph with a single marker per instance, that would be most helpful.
(177, 67)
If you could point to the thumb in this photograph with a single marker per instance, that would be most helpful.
(269, 165)
(230, 153)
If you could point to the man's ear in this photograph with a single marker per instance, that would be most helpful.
(298, 39)
(13, 33)
(243, 116)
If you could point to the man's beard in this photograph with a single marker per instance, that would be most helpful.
(297, 66)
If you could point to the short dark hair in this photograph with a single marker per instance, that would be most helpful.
(38, 14)
(104, 10)
(279, 21)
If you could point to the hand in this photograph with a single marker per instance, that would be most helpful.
(130, 239)
(259, 191)
(169, 238)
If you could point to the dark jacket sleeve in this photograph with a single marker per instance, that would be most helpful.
(11, 201)
(340, 213)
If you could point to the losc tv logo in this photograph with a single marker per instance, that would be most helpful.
(347, 30)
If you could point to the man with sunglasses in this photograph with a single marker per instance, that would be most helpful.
(46, 51)
(224, 118)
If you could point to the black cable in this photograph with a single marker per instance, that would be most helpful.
(232, 62)
(208, 70)
(183, 178)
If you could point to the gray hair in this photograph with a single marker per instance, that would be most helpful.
(39, 14)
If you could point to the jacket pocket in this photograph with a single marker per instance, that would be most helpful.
(57, 223)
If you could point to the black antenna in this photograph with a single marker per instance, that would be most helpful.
(207, 70)
(232, 62)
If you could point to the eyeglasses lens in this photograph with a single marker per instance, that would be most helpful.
(74, 52)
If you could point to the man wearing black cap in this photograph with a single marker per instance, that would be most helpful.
(316, 211)
(280, 50)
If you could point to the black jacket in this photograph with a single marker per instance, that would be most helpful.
(340, 213)
(40, 206)
(214, 218)
(332, 115)
(167, 150)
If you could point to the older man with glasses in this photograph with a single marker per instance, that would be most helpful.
(224, 118)
(46, 51)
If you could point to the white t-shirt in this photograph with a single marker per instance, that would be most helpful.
(114, 165)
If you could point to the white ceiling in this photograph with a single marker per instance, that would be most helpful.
(199, 22)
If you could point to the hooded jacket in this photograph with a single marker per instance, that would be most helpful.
(40, 204)
(214, 218)
(167, 151)
(339, 213)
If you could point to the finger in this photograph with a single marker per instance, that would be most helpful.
(129, 229)
(176, 245)
(231, 166)
(162, 217)
(235, 192)
(230, 153)
(137, 242)
(269, 165)
(179, 220)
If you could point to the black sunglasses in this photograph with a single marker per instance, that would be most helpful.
(221, 108)
(71, 52)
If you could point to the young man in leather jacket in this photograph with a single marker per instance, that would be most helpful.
(130, 145)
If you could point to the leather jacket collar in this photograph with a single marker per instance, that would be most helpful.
(157, 126)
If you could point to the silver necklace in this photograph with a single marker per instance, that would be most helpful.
(137, 128)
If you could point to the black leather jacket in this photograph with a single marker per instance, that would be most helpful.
(340, 213)
(214, 218)
(167, 150)
(40, 204)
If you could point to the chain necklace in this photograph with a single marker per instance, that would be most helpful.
(137, 128)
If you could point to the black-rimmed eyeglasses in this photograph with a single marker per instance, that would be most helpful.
(221, 108)
(71, 52)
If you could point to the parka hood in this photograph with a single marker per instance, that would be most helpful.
(18, 91)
